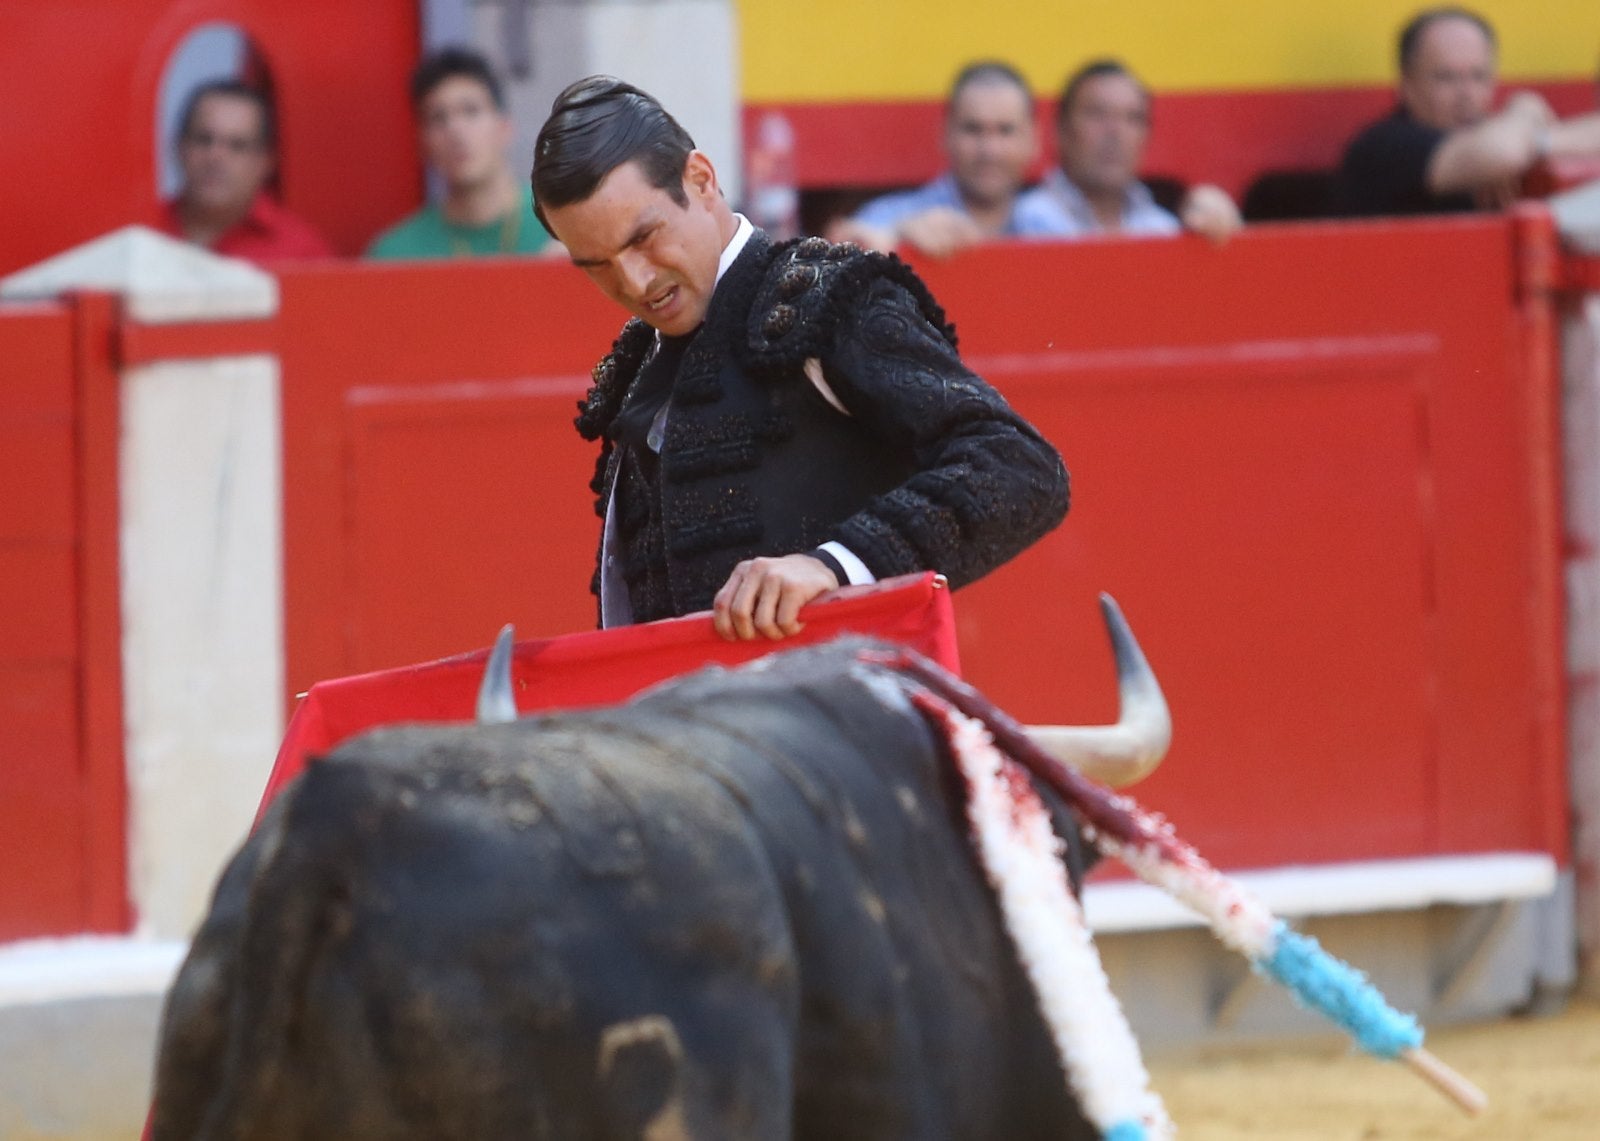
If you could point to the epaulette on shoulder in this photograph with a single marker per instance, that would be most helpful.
(810, 286)
(611, 378)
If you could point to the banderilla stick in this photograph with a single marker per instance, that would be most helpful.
(1150, 847)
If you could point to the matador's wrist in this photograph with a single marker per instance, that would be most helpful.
(833, 564)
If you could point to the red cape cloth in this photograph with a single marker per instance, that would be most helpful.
(601, 667)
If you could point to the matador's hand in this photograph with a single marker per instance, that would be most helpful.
(764, 596)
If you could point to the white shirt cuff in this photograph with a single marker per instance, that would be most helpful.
(855, 570)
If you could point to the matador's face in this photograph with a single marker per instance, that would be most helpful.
(649, 254)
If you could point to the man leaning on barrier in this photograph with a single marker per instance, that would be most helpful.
(1102, 125)
(989, 142)
(1444, 148)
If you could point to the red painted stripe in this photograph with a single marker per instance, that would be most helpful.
(141, 344)
(1225, 137)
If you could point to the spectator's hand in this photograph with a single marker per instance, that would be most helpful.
(1208, 211)
(1497, 195)
(764, 596)
(867, 237)
(940, 232)
(1531, 107)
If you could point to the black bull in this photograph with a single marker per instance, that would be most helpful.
(743, 905)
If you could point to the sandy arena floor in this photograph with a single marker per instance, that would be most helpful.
(1542, 1075)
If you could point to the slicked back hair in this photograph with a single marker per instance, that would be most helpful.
(232, 89)
(595, 126)
(985, 71)
(1094, 69)
(448, 63)
(1411, 34)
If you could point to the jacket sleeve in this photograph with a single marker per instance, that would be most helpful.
(986, 484)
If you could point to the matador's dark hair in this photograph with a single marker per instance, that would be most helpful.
(1411, 34)
(595, 126)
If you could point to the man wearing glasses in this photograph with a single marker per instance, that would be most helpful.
(227, 147)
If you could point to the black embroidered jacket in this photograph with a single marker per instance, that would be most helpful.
(928, 468)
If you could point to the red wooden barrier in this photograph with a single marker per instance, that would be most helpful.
(1314, 465)
(62, 860)
(1317, 466)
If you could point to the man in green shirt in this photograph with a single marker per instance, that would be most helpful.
(466, 135)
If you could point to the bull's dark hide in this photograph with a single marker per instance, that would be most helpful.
(742, 906)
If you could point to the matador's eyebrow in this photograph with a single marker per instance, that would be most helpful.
(640, 233)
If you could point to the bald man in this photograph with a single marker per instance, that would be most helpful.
(1444, 148)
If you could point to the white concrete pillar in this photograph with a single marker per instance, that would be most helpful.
(201, 566)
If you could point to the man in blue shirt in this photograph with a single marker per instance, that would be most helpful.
(990, 142)
(1102, 125)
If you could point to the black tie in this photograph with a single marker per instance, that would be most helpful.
(650, 391)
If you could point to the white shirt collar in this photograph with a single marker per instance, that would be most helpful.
(734, 248)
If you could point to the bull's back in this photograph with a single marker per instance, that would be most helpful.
(917, 1020)
(737, 905)
(436, 940)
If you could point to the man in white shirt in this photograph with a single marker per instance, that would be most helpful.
(1102, 125)
(990, 143)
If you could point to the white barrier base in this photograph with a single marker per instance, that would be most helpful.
(78, 1024)
(86, 967)
(1338, 889)
(1451, 939)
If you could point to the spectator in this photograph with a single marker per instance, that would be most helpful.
(1102, 124)
(990, 142)
(1442, 149)
(465, 135)
(227, 147)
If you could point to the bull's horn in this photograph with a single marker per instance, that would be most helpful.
(496, 703)
(1130, 750)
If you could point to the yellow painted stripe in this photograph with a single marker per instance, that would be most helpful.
(846, 50)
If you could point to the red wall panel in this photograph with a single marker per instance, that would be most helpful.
(45, 862)
(87, 143)
(428, 424)
(433, 475)
(42, 867)
(43, 870)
